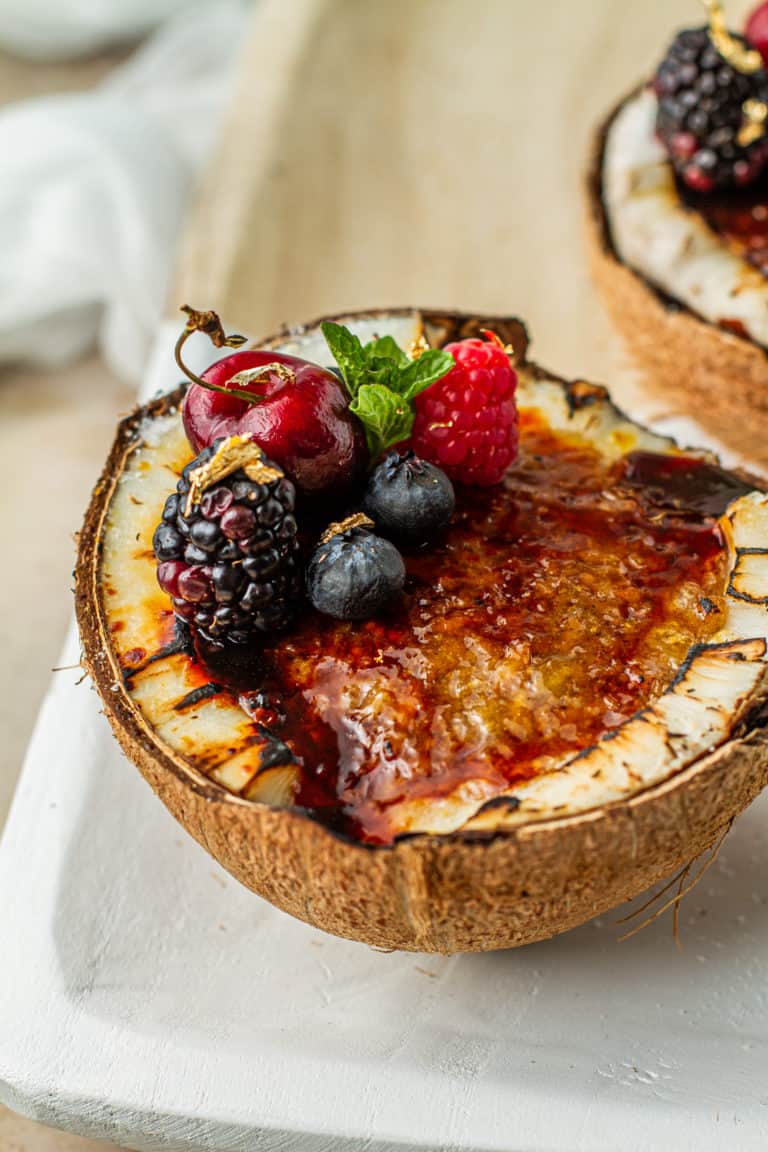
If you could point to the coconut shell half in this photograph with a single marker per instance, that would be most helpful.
(467, 877)
(688, 361)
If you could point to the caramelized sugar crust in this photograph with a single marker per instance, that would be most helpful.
(553, 608)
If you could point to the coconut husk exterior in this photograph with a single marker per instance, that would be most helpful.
(692, 364)
(453, 893)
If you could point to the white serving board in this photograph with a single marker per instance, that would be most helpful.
(147, 998)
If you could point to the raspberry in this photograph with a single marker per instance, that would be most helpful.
(466, 423)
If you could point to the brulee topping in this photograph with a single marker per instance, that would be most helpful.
(554, 607)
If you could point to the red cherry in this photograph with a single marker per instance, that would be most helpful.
(756, 30)
(467, 422)
(302, 420)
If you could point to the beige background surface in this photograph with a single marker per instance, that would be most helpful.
(407, 151)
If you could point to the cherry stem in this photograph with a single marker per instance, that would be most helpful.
(210, 324)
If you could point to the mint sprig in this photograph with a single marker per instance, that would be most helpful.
(383, 382)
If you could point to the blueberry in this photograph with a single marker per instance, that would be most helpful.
(408, 498)
(353, 574)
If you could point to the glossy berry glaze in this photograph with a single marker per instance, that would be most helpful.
(740, 216)
(553, 608)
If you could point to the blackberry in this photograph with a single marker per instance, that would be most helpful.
(409, 499)
(352, 573)
(710, 109)
(227, 545)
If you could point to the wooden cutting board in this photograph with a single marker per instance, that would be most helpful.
(422, 152)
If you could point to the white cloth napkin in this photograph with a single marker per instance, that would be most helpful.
(57, 29)
(94, 190)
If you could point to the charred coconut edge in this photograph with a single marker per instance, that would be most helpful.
(725, 374)
(600, 224)
(452, 325)
(502, 813)
(459, 892)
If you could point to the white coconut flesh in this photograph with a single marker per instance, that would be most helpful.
(657, 235)
(212, 738)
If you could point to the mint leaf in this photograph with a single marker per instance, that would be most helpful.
(386, 417)
(386, 347)
(382, 370)
(383, 382)
(432, 365)
(348, 353)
